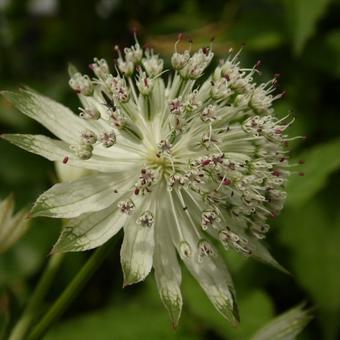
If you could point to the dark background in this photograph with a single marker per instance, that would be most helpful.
(300, 40)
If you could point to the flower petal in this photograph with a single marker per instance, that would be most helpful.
(56, 150)
(167, 271)
(12, 227)
(213, 276)
(90, 230)
(6, 210)
(286, 326)
(255, 248)
(88, 194)
(261, 253)
(137, 250)
(210, 271)
(57, 118)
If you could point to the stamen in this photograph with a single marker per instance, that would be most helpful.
(127, 206)
(146, 219)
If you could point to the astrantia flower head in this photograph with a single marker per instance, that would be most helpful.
(181, 165)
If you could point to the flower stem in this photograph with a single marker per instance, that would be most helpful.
(71, 291)
(23, 325)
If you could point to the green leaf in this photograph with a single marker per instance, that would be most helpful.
(302, 17)
(128, 321)
(332, 41)
(28, 254)
(286, 326)
(321, 161)
(314, 238)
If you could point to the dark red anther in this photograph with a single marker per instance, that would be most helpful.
(65, 160)
(276, 173)
(206, 50)
(226, 181)
(258, 63)
(301, 174)
(136, 191)
(90, 66)
(301, 161)
(282, 159)
(273, 215)
(180, 36)
(143, 171)
(146, 82)
(226, 77)
(283, 94)
(285, 143)
(205, 162)
(278, 131)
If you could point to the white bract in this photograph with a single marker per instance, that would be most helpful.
(179, 166)
(12, 226)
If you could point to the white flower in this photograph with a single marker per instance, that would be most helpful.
(12, 227)
(179, 166)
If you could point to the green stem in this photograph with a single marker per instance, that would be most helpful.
(23, 325)
(72, 290)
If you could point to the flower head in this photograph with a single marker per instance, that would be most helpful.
(180, 165)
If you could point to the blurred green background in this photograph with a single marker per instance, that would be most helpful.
(300, 39)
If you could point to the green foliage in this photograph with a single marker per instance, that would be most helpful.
(321, 162)
(302, 17)
(332, 42)
(313, 234)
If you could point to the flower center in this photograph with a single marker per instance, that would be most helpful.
(160, 163)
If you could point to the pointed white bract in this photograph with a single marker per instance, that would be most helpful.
(179, 165)
(12, 226)
(285, 326)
